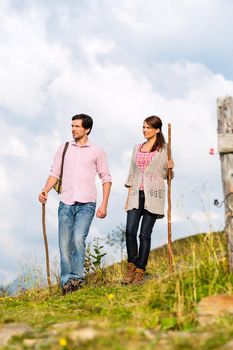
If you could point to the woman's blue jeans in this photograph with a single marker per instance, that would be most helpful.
(139, 257)
(74, 224)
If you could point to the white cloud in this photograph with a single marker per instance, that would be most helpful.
(28, 62)
(93, 47)
(3, 183)
(174, 22)
(161, 17)
(205, 217)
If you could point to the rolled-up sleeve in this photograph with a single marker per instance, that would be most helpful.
(129, 180)
(102, 167)
(56, 164)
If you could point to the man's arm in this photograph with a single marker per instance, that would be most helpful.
(103, 172)
(102, 211)
(54, 175)
(50, 183)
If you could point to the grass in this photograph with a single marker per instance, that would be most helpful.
(160, 313)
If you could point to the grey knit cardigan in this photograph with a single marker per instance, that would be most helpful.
(153, 181)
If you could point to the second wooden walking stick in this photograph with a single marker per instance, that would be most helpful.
(169, 177)
(46, 244)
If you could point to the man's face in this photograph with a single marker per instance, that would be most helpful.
(78, 130)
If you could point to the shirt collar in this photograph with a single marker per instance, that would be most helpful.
(87, 144)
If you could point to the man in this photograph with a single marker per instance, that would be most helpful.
(83, 160)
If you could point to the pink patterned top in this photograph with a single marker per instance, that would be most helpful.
(143, 159)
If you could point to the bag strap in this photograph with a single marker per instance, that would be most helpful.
(62, 163)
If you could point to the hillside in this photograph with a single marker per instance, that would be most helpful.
(160, 314)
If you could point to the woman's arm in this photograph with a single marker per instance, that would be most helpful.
(130, 177)
(127, 200)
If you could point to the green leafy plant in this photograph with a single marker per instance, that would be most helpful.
(94, 262)
(98, 255)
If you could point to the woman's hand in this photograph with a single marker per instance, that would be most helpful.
(170, 164)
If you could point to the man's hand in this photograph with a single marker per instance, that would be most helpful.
(51, 182)
(43, 197)
(101, 212)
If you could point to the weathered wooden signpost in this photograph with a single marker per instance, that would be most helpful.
(225, 149)
(169, 227)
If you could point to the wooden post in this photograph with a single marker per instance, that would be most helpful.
(225, 149)
(169, 230)
(46, 245)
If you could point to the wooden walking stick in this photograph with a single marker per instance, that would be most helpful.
(46, 244)
(169, 177)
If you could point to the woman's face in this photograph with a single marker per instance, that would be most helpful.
(149, 132)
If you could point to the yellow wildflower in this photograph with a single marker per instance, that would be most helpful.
(63, 342)
(111, 296)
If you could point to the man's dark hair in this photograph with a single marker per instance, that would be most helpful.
(87, 121)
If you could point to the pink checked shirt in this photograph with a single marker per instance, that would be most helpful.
(143, 159)
(81, 165)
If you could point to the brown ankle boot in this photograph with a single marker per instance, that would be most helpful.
(129, 274)
(138, 276)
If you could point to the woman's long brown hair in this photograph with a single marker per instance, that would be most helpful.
(156, 123)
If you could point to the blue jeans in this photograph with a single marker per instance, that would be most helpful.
(74, 224)
(139, 257)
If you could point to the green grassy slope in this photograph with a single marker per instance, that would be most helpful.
(160, 314)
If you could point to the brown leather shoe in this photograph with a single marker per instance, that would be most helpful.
(138, 276)
(66, 288)
(75, 284)
(129, 274)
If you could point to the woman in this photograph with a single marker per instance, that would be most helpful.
(146, 196)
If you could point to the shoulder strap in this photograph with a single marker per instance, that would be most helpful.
(62, 163)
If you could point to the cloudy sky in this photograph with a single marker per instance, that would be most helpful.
(119, 61)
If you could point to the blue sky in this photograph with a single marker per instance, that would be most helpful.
(119, 61)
